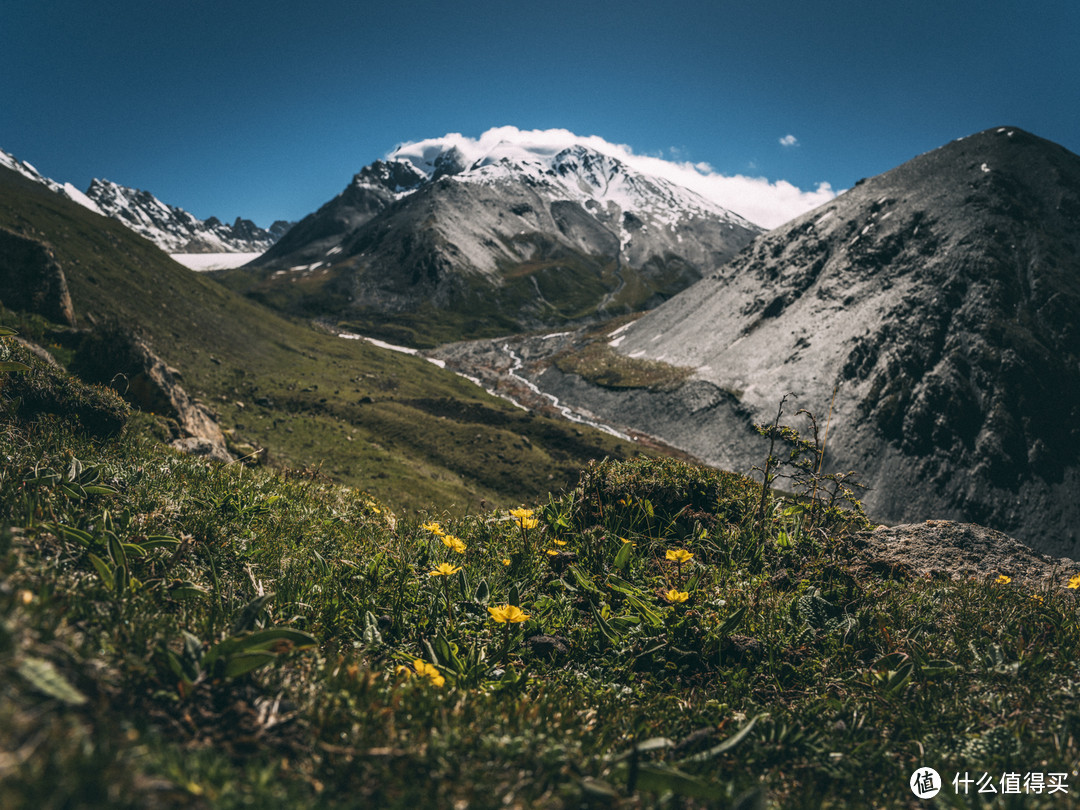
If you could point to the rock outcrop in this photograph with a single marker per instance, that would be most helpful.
(31, 279)
(959, 551)
(112, 356)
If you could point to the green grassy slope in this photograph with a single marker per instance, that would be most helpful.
(177, 633)
(398, 426)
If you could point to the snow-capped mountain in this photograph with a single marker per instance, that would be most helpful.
(175, 230)
(507, 234)
(9, 161)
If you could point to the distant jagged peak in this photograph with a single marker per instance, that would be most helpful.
(173, 229)
(27, 170)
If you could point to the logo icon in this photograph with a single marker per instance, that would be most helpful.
(925, 783)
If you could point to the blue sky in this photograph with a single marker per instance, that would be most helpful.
(266, 109)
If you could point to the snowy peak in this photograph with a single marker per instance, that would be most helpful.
(173, 229)
(9, 161)
(562, 166)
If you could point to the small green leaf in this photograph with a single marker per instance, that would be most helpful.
(654, 744)
(371, 635)
(103, 570)
(84, 539)
(121, 578)
(646, 612)
(726, 745)
(44, 677)
(731, 622)
(622, 586)
(605, 629)
(483, 592)
(583, 581)
(659, 778)
(99, 489)
(622, 559)
(12, 366)
(159, 541)
(116, 551)
(242, 663)
(186, 589)
(246, 618)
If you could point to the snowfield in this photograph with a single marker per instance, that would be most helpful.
(203, 262)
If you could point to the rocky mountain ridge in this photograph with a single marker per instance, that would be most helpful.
(941, 301)
(175, 230)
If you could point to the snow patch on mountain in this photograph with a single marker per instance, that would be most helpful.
(205, 262)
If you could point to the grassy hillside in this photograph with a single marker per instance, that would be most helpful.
(403, 429)
(178, 633)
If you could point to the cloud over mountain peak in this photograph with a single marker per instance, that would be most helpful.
(767, 203)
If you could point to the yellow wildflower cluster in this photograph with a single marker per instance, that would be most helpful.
(680, 555)
(524, 518)
(454, 543)
(1074, 583)
(433, 527)
(507, 614)
(1003, 580)
(675, 596)
(424, 670)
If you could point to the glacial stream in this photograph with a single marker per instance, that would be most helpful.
(565, 411)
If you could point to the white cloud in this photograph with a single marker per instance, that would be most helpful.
(767, 203)
(789, 140)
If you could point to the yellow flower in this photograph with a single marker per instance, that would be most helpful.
(552, 552)
(1036, 598)
(559, 542)
(521, 514)
(434, 528)
(453, 542)
(1003, 580)
(444, 570)
(680, 555)
(424, 669)
(507, 614)
(506, 561)
(1074, 583)
(675, 596)
(528, 522)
